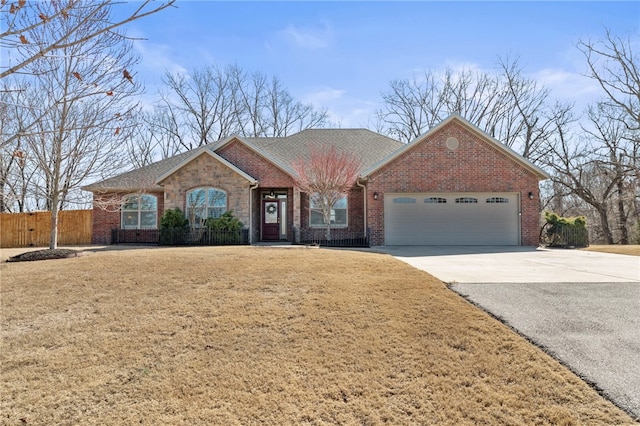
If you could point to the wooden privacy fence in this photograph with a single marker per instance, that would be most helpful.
(34, 229)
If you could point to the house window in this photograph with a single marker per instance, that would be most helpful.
(338, 212)
(466, 200)
(140, 211)
(435, 200)
(203, 203)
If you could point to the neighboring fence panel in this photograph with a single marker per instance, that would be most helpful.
(34, 229)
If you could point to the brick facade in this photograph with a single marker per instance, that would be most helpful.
(107, 214)
(475, 166)
(269, 176)
(255, 165)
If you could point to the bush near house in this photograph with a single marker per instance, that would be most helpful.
(224, 230)
(561, 231)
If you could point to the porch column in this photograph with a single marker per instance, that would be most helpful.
(296, 214)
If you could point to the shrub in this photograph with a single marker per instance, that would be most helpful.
(565, 231)
(226, 222)
(173, 219)
(226, 229)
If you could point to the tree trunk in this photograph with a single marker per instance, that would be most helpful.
(53, 238)
(622, 217)
(604, 222)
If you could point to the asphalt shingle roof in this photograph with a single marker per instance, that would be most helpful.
(369, 146)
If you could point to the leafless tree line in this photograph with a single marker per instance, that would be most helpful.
(212, 103)
(66, 86)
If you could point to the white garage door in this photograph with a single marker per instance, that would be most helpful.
(451, 219)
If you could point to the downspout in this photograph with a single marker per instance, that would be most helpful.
(366, 212)
(251, 188)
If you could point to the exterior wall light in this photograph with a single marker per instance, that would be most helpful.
(375, 195)
(531, 195)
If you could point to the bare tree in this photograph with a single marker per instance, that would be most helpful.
(613, 63)
(156, 137)
(591, 166)
(212, 103)
(23, 20)
(79, 109)
(412, 106)
(326, 176)
(613, 160)
(201, 105)
(507, 105)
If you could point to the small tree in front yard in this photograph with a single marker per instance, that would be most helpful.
(326, 176)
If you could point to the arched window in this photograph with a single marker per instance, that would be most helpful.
(139, 211)
(203, 203)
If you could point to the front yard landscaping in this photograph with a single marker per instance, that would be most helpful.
(266, 335)
(631, 250)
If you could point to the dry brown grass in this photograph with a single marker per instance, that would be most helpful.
(257, 335)
(631, 250)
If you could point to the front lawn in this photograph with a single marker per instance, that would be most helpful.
(265, 335)
(631, 250)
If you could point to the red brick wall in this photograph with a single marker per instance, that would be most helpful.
(107, 214)
(475, 166)
(255, 166)
(355, 211)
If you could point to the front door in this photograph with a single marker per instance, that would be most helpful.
(270, 220)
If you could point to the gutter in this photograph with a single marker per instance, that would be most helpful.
(251, 188)
(366, 211)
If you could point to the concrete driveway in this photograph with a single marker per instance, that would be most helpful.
(581, 307)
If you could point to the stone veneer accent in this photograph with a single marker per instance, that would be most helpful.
(206, 171)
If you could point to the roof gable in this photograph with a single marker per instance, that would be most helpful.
(204, 151)
(455, 118)
(253, 145)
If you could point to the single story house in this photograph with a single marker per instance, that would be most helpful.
(454, 185)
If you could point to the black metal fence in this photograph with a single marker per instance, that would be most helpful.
(339, 238)
(179, 237)
(565, 237)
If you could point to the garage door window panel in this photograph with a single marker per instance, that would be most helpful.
(466, 200)
(497, 200)
(435, 200)
(404, 200)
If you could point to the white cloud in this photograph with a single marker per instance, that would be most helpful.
(308, 38)
(343, 110)
(566, 84)
(157, 58)
(324, 95)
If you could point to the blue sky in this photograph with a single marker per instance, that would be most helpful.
(341, 55)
